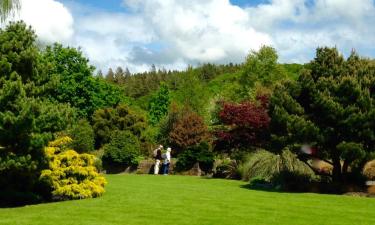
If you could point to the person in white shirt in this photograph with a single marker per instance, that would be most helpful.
(167, 161)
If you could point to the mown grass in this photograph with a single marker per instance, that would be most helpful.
(148, 200)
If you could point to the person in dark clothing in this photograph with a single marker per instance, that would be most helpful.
(158, 158)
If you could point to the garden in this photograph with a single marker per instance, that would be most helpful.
(260, 142)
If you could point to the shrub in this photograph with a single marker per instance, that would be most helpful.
(227, 168)
(27, 124)
(98, 159)
(268, 165)
(122, 151)
(83, 137)
(200, 154)
(122, 118)
(369, 170)
(189, 130)
(71, 175)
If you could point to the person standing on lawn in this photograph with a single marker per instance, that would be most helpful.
(158, 158)
(167, 161)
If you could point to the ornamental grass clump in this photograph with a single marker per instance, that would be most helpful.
(71, 175)
(268, 165)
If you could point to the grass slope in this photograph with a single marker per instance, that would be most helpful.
(137, 199)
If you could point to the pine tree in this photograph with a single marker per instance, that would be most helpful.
(110, 76)
(330, 107)
(119, 75)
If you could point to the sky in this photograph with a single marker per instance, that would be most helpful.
(173, 34)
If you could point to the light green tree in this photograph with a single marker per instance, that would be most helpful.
(261, 69)
(159, 104)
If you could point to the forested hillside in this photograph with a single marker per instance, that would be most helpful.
(195, 86)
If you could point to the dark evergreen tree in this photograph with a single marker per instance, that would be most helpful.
(330, 107)
(28, 117)
(108, 120)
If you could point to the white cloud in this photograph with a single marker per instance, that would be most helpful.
(185, 32)
(51, 20)
(299, 26)
(175, 33)
(211, 30)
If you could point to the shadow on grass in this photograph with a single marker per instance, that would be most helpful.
(19, 200)
(314, 188)
(266, 188)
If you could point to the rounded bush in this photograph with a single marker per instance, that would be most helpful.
(71, 175)
(197, 154)
(123, 150)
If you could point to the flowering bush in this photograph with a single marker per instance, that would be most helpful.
(71, 175)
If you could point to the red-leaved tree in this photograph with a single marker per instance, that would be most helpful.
(187, 131)
(242, 125)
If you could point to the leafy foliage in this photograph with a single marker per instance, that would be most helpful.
(122, 151)
(71, 175)
(243, 125)
(188, 130)
(167, 123)
(76, 85)
(19, 53)
(108, 120)
(83, 136)
(26, 125)
(159, 104)
(331, 107)
(200, 154)
(192, 93)
(261, 67)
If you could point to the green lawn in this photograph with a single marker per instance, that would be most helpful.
(147, 200)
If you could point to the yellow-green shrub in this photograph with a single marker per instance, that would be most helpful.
(71, 175)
